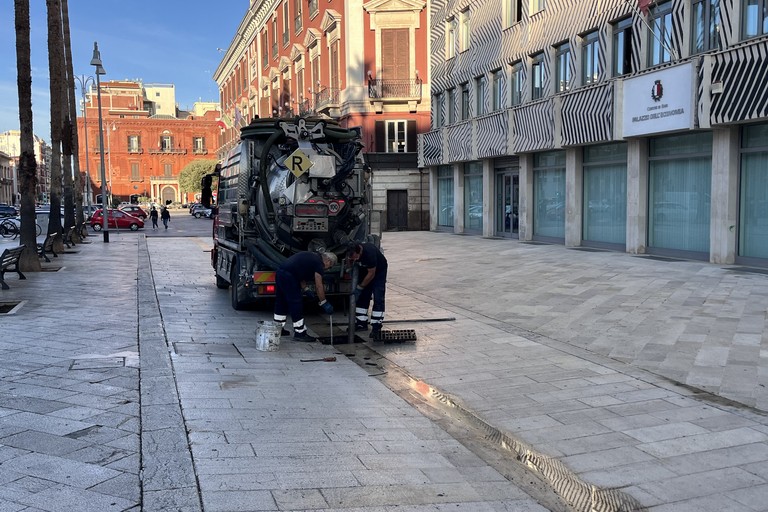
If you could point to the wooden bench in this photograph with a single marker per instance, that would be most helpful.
(47, 247)
(9, 262)
(68, 237)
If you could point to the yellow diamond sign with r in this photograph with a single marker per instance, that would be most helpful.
(298, 162)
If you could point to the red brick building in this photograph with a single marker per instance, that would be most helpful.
(364, 63)
(147, 140)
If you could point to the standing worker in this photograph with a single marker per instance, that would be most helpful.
(373, 282)
(291, 279)
(165, 215)
(153, 216)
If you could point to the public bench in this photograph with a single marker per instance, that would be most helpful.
(47, 247)
(69, 237)
(9, 262)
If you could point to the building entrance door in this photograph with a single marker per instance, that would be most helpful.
(507, 203)
(397, 210)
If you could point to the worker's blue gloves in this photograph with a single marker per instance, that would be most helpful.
(327, 308)
(356, 292)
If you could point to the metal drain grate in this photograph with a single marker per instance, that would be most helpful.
(395, 335)
(50, 269)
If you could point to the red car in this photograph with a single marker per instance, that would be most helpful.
(117, 220)
(135, 210)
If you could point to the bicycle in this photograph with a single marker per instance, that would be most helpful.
(11, 228)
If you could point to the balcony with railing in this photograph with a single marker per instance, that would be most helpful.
(306, 107)
(394, 89)
(168, 151)
(327, 98)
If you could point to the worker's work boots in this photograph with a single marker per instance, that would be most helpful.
(303, 336)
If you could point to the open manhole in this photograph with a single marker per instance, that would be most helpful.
(341, 339)
(8, 308)
(50, 269)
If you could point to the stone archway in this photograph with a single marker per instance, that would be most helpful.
(168, 193)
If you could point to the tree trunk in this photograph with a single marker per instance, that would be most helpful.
(56, 73)
(29, 262)
(73, 192)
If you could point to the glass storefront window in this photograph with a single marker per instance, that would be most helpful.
(679, 203)
(445, 196)
(605, 193)
(549, 194)
(753, 195)
(473, 196)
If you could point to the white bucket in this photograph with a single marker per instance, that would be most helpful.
(268, 336)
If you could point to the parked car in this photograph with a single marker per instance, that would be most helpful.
(193, 207)
(7, 210)
(203, 212)
(135, 210)
(116, 219)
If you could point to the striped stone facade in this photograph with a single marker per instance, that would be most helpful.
(505, 47)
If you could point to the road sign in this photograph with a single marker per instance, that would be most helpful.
(298, 162)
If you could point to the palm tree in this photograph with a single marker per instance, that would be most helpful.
(27, 163)
(56, 73)
(73, 191)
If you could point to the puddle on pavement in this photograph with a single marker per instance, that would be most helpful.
(544, 478)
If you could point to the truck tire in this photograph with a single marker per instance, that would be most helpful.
(235, 292)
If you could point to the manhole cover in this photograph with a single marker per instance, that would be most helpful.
(6, 308)
(97, 363)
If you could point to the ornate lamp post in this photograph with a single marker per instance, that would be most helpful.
(96, 62)
(83, 85)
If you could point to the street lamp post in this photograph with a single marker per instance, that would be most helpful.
(96, 62)
(83, 85)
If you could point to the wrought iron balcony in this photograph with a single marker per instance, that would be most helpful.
(327, 98)
(382, 89)
(172, 151)
(306, 107)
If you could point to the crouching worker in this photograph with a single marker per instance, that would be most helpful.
(372, 283)
(291, 278)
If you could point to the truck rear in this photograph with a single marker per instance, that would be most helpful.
(289, 185)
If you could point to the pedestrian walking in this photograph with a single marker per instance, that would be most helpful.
(153, 216)
(165, 215)
(372, 283)
(291, 280)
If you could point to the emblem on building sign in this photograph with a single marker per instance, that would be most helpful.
(657, 91)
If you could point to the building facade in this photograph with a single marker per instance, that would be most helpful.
(8, 182)
(363, 63)
(639, 126)
(147, 140)
(10, 144)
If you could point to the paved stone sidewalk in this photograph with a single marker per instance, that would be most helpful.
(69, 384)
(269, 432)
(568, 360)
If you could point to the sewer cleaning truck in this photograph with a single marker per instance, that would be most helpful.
(289, 185)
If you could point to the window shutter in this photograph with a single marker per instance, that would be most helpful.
(410, 136)
(380, 140)
(395, 54)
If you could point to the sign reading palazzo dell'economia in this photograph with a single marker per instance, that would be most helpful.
(659, 102)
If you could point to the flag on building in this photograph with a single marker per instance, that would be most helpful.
(226, 120)
(644, 5)
(238, 117)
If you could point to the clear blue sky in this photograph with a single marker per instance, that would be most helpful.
(160, 41)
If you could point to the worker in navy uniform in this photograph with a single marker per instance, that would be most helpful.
(372, 283)
(291, 286)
